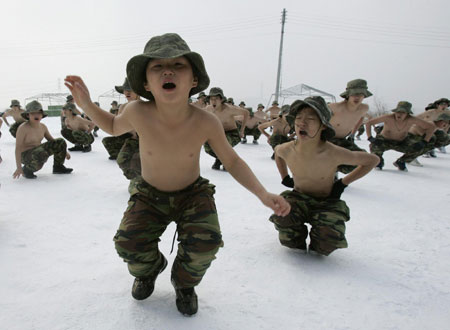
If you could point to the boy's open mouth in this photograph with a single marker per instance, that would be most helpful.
(303, 133)
(169, 85)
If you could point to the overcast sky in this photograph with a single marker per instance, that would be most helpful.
(401, 47)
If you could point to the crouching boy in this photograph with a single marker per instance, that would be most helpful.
(316, 197)
(171, 133)
(29, 150)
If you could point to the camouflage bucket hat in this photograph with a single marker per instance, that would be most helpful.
(442, 100)
(284, 109)
(124, 87)
(275, 103)
(114, 103)
(242, 103)
(430, 106)
(230, 100)
(261, 106)
(70, 106)
(69, 98)
(318, 104)
(169, 45)
(443, 116)
(33, 106)
(250, 110)
(202, 94)
(217, 91)
(15, 103)
(357, 86)
(403, 106)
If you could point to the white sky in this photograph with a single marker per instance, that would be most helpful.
(400, 47)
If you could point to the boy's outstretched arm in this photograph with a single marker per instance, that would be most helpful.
(114, 125)
(241, 172)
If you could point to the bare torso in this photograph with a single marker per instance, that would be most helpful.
(344, 119)
(431, 115)
(77, 123)
(227, 115)
(396, 130)
(281, 126)
(273, 112)
(33, 136)
(16, 114)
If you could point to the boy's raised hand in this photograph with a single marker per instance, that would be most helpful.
(277, 203)
(78, 90)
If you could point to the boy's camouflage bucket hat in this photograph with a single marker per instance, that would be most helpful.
(403, 106)
(261, 106)
(15, 103)
(230, 100)
(442, 100)
(443, 116)
(202, 94)
(357, 86)
(33, 106)
(70, 106)
(124, 87)
(217, 91)
(318, 104)
(169, 45)
(430, 106)
(284, 110)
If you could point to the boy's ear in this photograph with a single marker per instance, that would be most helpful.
(147, 87)
(195, 82)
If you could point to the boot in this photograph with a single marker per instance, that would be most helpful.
(380, 164)
(244, 141)
(87, 148)
(255, 141)
(186, 300)
(143, 286)
(216, 165)
(76, 147)
(400, 165)
(61, 169)
(432, 153)
(28, 174)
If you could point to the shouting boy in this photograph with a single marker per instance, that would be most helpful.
(171, 133)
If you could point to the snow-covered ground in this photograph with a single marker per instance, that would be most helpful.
(59, 268)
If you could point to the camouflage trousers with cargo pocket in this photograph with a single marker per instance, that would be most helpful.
(419, 140)
(255, 132)
(149, 213)
(233, 139)
(129, 159)
(442, 139)
(113, 144)
(14, 127)
(326, 216)
(349, 145)
(409, 145)
(34, 159)
(77, 137)
(276, 139)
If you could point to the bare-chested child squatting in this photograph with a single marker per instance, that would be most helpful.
(77, 129)
(15, 111)
(313, 162)
(347, 117)
(171, 133)
(251, 127)
(227, 115)
(395, 134)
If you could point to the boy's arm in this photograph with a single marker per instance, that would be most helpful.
(427, 126)
(114, 125)
(89, 123)
(240, 170)
(6, 114)
(47, 134)
(356, 127)
(262, 127)
(365, 163)
(372, 122)
(20, 138)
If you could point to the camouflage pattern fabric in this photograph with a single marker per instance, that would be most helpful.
(233, 139)
(149, 213)
(255, 132)
(326, 216)
(34, 158)
(361, 130)
(129, 159)
(276, 139)
(409, 145)
(427, 146)
(77, 137)
(442, 139)
(349, 145)
(14, 127)
(113, 144)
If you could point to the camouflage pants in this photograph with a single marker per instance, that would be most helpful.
(148, 214)
(327, 218)
(349, 145)
(407, 146)
(427, 146)
(34, 158)
(233, 138)
(14, 127)
(442, 139)
(129, 159)
(255, 132)
(361, 130)
(276, 139)
(77, 137)
(113, 144)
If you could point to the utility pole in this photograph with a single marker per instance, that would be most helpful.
(278, 88)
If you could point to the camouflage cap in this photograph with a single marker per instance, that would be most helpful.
(442, 100)
(403, 106)
(69, 98)
(15, 103)
(430, 106)
(124, 87)
(70, 106)
(318, 104)
(169, 45)
(261, 106)
(217, 91)
(357, 86)
(284, 109)
(275, 102)
(445, 116)
(250, 110)
(202, 94)
(230, 100)
(33, 106)
(242, 103)
(114, 102)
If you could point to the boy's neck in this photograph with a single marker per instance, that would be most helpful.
(351, 106)
(173, 112)
(308, 146)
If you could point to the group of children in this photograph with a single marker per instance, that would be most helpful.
(159, 129)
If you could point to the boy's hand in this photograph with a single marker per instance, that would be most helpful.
(78, 90)
(371, 139)
(67, 156)
(18, 173)
(288, 181)
(337, 189)
(277, 203)
(351, 137)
